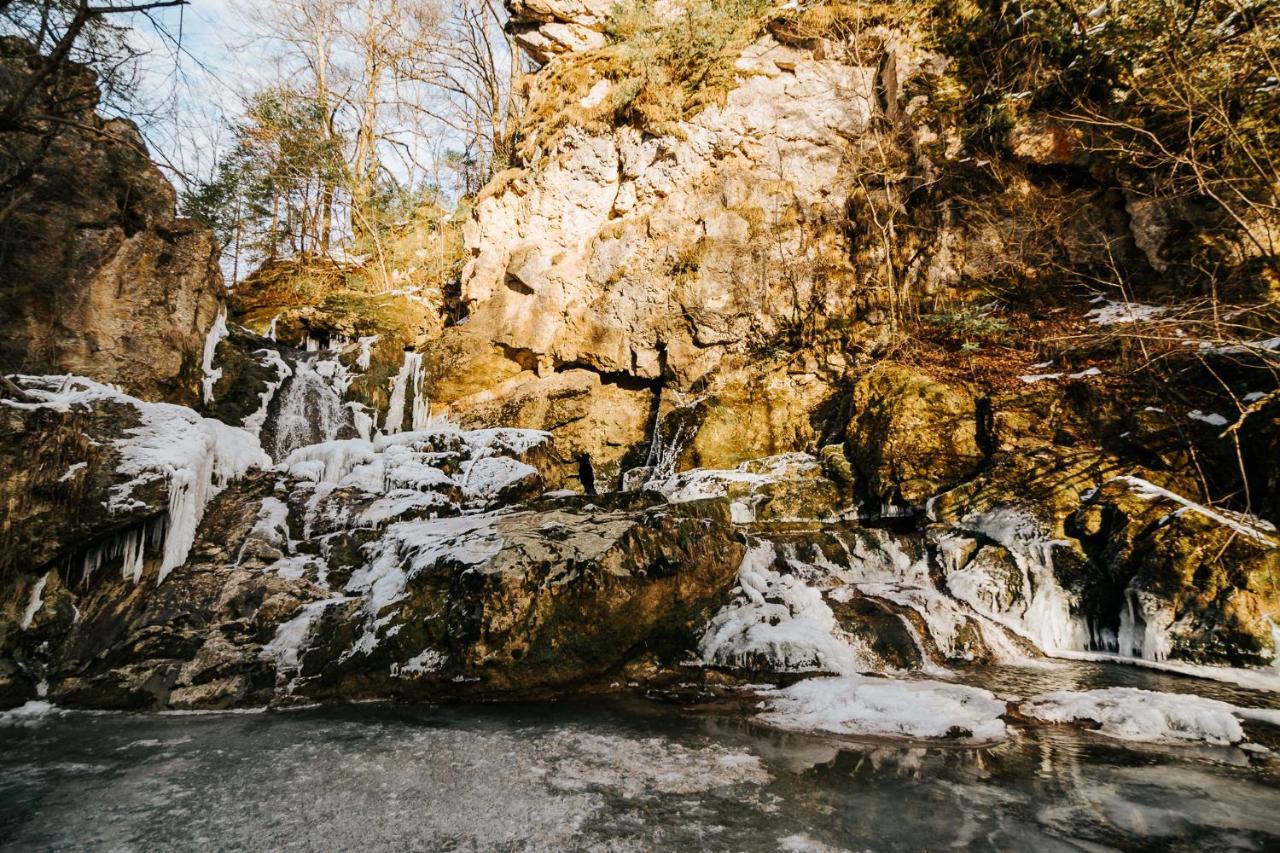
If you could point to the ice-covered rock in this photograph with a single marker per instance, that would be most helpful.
(1128, 713)
(885, 707)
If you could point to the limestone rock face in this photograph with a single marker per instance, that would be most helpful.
(752, 410)
(545, 28)
(626, 252)
(912, 436)
(596, 423)
(101, 278)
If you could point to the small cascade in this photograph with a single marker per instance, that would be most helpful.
(671, 434)
(217, 332)
(312, 409)
(271, 329)
(407, 397)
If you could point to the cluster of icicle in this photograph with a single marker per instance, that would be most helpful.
(194, 456)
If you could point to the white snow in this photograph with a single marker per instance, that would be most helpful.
(484, 479)
(408, 547)
(702, 483)
(1131, 714)
(269, 358)
(1043, 612)
(1210, 418)
(72, 471)
(428, 661)
(29, 714)
(292, 635)
(271, 526)
(217, 332)
(862, 705)
(1113, 313)
(195, 456)
(366, 350)
(397, 502)
(1033, 378)
(312, 408)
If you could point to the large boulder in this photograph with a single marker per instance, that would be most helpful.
(1189, 581)
(100, 277)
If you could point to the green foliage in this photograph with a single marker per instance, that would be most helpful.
(275, 189)
(969, 326)
(670, 70)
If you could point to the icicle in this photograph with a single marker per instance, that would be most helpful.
(271, 329)
(217, 332)
(135, 545)
(366, 351)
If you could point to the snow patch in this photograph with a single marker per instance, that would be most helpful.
(1114, 313)
(779, 622)
(1210, 418)
(33, 603)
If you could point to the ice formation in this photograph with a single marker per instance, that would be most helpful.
(1044, 612)
(312, 408)
(33, 603)
(194, 456)
(270, 358)
(863, 705)
(407, 384)
(217, 332)
(1255, 528)
(778, 621)
(1128, 713)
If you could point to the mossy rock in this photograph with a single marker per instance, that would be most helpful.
(911, 435)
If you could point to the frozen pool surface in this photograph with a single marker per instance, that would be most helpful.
(610, 776)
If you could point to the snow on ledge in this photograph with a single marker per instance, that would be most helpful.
(1258, 529)
(1111, 313)
(195, 456)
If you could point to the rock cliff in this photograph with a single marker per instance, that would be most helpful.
(100, 276)
(772, 368)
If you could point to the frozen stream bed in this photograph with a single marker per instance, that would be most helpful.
(622, 775)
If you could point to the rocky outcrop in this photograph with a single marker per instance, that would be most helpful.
(1194, 582)
(546, 28)
(101, 278)
(650, 256)
(357, 568)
